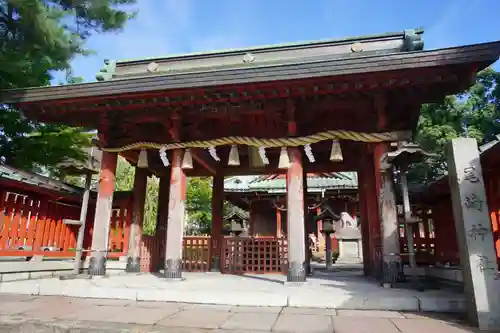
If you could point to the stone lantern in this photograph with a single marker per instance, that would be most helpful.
(407, 153)
(236, 228)
(87, 167)
(328, 221)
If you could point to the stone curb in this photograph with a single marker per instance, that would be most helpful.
(261, 299)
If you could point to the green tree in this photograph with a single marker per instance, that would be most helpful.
(474, 113)
(37, 38)
(124, 175)
(199, 205)
(125, 182)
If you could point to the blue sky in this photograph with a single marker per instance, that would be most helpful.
(165, 27)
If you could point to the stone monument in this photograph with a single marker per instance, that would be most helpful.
(349, 238)
(474, 234)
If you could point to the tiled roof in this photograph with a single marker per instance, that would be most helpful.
(31, 179)
(338, 180)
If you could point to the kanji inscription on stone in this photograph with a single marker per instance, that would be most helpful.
(470, 174)
(473, 201)
(476, 231)
(484, 264)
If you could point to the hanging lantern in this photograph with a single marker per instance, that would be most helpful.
(284, 161)
(234, 157)
(263, 157)
(142, 162)
(336, 153)
(213, 153)
(309, 153)
(187, 160)
(163, 157)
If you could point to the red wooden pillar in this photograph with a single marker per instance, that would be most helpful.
(279, 233)
(365, 228)
(162, 214)
(162, 219)
(97, 264)
(139, 200)
(373, 205)
(217, 211)
(295, 218)
(176, 216)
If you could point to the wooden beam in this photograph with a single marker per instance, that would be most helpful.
(200, 156)
(132, 157)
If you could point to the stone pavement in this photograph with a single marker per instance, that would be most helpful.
(337, 290)
(22, 313)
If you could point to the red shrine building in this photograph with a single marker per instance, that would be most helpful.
(309, 108)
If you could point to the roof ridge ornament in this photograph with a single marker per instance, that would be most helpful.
(412, 41)
(107, 72)
(248, 57)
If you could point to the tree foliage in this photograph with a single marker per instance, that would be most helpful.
(125, 182)
(37, 38)
(474, 113)
(199, 205)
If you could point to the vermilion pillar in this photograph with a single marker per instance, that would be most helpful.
(390, 228)
(295, 218)
(217, 211)
(139, 200)
(279, 232)
(176, 216)
(104, 205)
(365, 230)
(163, 197)
(372, 186)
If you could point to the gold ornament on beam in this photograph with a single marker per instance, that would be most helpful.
(336, 152)
(234, 156)
(187, 160)
(142, 162)
(284, 161)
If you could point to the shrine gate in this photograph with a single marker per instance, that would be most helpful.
(319, 107)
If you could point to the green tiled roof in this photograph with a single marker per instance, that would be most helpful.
(338, 180)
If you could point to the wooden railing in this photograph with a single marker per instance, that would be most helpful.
(33, 225)
(254, 255)
(30, 225)
(119, 231)
(196, 253)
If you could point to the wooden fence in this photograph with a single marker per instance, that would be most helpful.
(254, 255)
(424, 239)
(196, 253)
(436, 241)
(33, 225)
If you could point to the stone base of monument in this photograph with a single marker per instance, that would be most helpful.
(350, 246)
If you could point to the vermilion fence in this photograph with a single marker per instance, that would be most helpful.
(438, 243)
(424, 238)
(33, 225)
(492, 184)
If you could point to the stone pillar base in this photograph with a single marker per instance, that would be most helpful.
(97, 265)
(173, 269)
(133, 265)
(296, 272)
(391, 272)
(215, 265)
